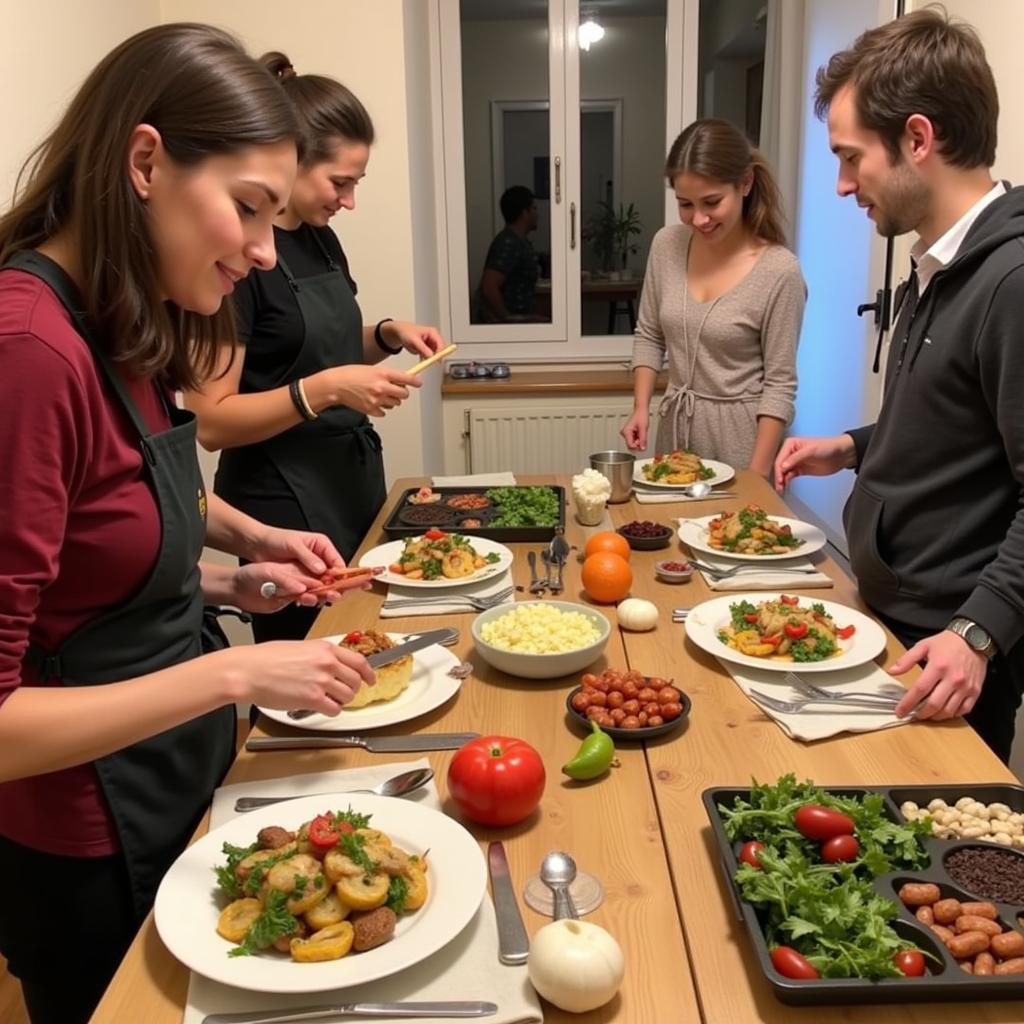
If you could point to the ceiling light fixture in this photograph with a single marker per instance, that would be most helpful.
(589, 32)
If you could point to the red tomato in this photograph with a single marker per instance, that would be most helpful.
(791, 964)
(751, 617)
(910, 962)
(846, 632)
(817, 822)
(354, 637)
(496, 780)
(787, 599)
(839, 848)
(795, 630)
(434, 534)
(750, 853)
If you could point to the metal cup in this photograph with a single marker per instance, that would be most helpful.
(617, 468)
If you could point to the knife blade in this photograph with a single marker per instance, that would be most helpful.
(513, 943)
(417, 643)
(404, 1009)
(374, 744)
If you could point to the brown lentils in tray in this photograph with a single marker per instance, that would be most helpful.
(993, 874)
(426, 515)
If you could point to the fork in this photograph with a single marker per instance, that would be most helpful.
(480, 603)
(749, 570)
(840, 695)
(789, 706)
(537, 586)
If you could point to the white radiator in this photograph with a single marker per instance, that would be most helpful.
(542, 439)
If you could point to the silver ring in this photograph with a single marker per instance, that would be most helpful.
(268, 589)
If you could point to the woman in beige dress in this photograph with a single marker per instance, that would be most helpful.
(722, 302)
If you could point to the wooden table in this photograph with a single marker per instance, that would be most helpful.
(642, 830)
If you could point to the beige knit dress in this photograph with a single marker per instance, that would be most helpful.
(736, 359)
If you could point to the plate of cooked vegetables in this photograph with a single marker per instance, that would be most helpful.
(439, 558)
(680, 469)
(320, 893)
(751, 535)
(784, 633)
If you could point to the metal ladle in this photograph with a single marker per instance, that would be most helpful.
(557, 871)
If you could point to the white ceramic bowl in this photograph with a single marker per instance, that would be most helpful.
(541, 666)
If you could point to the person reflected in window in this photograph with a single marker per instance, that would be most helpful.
(509, 283)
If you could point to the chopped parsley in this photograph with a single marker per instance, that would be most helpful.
(352, 846)
(226, 877)
(356, 820)
(398, 892)
(275, 922)
(524, 506)
(738, 611)
(815, 646)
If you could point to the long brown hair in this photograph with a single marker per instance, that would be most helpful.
(718, 150)
(922, 63)
(203, 93)
(327, 110)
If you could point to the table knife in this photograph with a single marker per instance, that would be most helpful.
(513, 943)
(310, 1013)
(374, 744)
(416, 643)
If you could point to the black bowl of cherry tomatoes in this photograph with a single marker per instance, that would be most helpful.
(628, 705)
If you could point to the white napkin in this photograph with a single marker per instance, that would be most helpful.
(475, 480)
(822, 720)
(646, 497)
(466, 968)
(436, 605)
(769, 576)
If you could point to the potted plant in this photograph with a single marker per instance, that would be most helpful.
(610, 234)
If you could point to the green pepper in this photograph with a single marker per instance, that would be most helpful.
(594, 756)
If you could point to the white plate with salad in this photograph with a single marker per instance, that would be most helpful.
(784, 633)
(437, 559)
(803, 538)
(715, 473)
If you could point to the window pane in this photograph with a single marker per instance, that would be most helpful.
(622, 151)
(505, 109)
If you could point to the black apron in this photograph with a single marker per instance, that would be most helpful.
(332, 465)
(157, 789)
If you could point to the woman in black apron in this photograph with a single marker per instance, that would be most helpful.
(299, 450)
(118, 719)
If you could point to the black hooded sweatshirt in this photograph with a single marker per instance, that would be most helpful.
(935, 522)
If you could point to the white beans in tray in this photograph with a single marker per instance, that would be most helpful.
(970, 819)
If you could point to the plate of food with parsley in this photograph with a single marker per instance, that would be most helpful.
(785, 633)
(439, 558)
(320, 893)
(680, 469)
(751, 535)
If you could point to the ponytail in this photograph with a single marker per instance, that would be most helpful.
(762, 208)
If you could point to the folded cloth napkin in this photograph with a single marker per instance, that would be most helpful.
(446, 601)
(466, 968)
(820, 721)
(653, 497)
(475, 480)
(764, 576)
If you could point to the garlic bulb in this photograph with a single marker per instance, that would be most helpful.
(637, 615)
(576, 965)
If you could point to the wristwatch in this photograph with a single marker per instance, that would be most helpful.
(976, 636)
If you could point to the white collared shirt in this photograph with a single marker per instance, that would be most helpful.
(942, 251)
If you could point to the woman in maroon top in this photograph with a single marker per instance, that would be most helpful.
(154, 195)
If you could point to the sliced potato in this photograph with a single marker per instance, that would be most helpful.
(363, 892)
(338, 865)
(237, 918)
(417, 894)
(374, 835)
(330, 910)
(330, 943)
(245, 866)
(301, 875)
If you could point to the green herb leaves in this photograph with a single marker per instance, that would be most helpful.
(524, 506)
(274, 923)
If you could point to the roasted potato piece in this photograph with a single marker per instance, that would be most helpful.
(245, 866)
(374, 836)
(330, 910)
(330, 943)
(364, 892)
(417, 894)
(373, 928)
(302, 875)
(458, 563)
(338, 865)
(237, 918)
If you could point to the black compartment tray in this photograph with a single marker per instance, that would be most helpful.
(945, 980)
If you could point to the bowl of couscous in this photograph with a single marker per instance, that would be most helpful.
(541, 639)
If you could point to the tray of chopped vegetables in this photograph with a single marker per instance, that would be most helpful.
(502, 513)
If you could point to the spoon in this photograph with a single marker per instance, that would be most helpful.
(397, 785)
(557, 871)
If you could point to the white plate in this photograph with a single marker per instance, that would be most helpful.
(188, 901)
(722, 473)
(704, 622)
(429, 688)
(386, 554)
(694, 532)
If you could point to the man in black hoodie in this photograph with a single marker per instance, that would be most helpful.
(935, 522)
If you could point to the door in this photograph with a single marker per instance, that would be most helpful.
(843, 260)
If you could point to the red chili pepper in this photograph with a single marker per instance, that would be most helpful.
(846, 632)
(786, 599)
(795, 630)
(354, 637)
(434, 534)
(751, 617)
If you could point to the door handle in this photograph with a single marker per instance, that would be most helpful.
(572, 225)
(558, 179)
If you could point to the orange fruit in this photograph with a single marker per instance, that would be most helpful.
(606, 577)
(607, 540)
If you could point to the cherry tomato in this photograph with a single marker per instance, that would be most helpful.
(910, 962)
(751, 617)
(773, 640)
(791, 964)
(846, 632)
(434, 534)
(354, 637)
(795, 630)
(498, 780)
(750, 853)
(787, 599)
(839, 848)
(817, 822)
(324, 830)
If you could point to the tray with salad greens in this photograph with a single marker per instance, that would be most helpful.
(847, 900)
(510, 513)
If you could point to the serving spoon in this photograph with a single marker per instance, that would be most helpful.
(397, 785)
